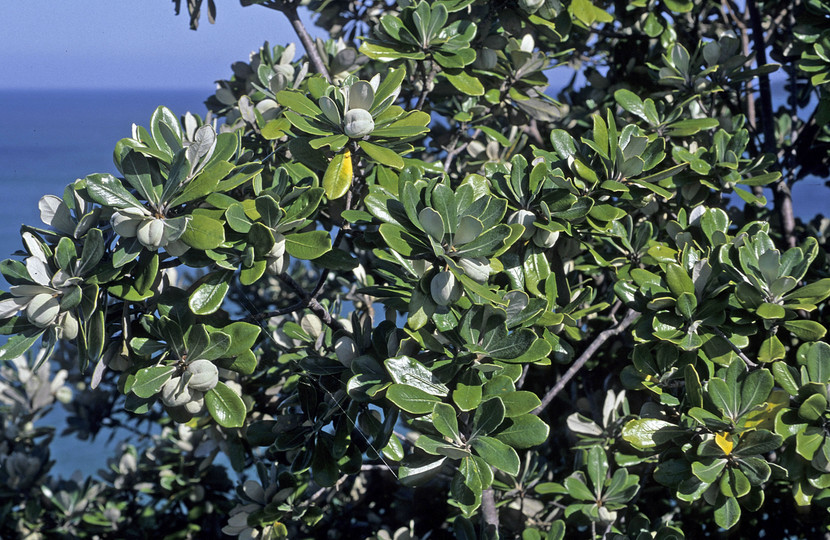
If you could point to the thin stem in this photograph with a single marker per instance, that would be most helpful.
(583, 359)
(735, 348)
(426, 89)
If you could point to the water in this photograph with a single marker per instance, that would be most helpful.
(49, 138)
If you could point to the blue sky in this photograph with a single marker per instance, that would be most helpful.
(136, 44)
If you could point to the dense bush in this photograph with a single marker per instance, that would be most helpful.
(405, 289)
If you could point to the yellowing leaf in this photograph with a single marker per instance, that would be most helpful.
(339, 175)
(724, 441)
(765, 418)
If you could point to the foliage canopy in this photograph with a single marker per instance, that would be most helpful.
(418, 292)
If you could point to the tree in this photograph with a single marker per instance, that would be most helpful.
(429, 296)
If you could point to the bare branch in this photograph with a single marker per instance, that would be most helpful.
(489, 514)
(586, 355)
(289, 9)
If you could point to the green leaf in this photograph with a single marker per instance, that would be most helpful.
(204, 184)
(225, 406)
(468, 391)
(678, 280)
(203, 232)
(297, 101)
(813, 408)
(410, 399)
(210, 292)
(445, 421)
(488, 416)
(523, 431)
(408, 371)
(339, 174)
(818, 362)
(497, 454)
(710, 472)
(728, 513)
(236, 218)
(417, 469)
(577, 488)
(650, 432)
(148, 381)
(756, 389)
(519, 402)
(597, 463)
(109, 191)
(382, 155)
(18, 344)
(771, 350)
(806, 330)
(464, 82)
(771, 311)
(307, 245)
(137, 172)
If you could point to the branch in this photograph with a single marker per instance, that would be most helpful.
(782, 196)
(586, 355)
(489, 514)
(289, 9)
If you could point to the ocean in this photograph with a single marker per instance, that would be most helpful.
(48, 138)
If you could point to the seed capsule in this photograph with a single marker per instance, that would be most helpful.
(151, 233)
(196, 403)
(203, 375)
(174, 393)
(544, 238)
(43, 309)
(443, 288)
(525, 218)
(357, 123)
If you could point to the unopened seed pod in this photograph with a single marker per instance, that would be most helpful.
(525, 218)
(125, 222)
(151, 233)
(43, 309)
(357, 123)
(442, 288)
(203, 375)
(174, 393)
(196, 403)
(68, 326)
(544, 238)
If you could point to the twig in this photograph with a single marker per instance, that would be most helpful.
(586, 355)
(735, 348)
(426, 89)
(489, 514)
